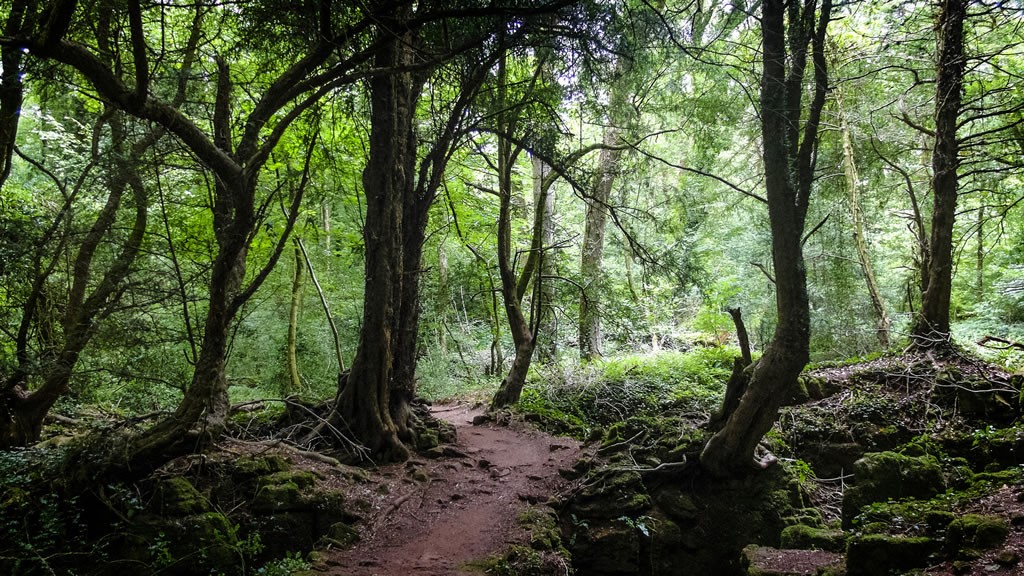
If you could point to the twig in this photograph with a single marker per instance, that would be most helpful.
(658, 468)
(623, 443)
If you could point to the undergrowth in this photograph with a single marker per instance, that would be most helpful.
(575, 399)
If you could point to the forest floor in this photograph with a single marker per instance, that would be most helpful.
(449, 515)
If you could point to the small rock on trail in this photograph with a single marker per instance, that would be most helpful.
(465, 505)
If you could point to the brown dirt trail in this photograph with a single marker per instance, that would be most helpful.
(435, 517)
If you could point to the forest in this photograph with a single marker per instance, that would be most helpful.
(613, 287)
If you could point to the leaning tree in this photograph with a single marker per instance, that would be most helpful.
(792, 34)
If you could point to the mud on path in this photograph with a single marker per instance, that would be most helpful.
(435, 517)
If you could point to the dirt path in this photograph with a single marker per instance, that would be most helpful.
(434, 517)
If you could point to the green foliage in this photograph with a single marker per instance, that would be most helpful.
(577, 398)
(291, 564)
(36, 523)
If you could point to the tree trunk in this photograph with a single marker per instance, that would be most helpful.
(523, 334)
(364, 404)
(979, 263)
(736, 387)
(294, 380)
(11, 88)
(543, 192)
(596, 219)
(22, 412)
(593, 247)
(883, 323)
(201, 417)
(789, 173)
(932, 325)
(414, 234)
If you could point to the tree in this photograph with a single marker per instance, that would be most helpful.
(596, 219)
(234, 159)
(93, 288)
(884, 324)
(789, 142)
(932, 324)
(364, 403)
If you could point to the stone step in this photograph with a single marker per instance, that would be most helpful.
(765, 561)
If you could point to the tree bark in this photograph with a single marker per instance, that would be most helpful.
(523, 334)
(932, 325)
(547, 347)
(294, 379)
(595, 222)
(364, 404)
(789, 173)
(592, 251)
(11, 88)
(883, 323)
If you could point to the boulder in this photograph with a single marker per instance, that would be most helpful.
(874, 554)
(975, 532)
(883, 476)
(801, 536)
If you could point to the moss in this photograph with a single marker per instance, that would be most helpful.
(874, 554)
(611, 494)
(801, 536)
(557, 417)
(921, 517)
(427, 439)
(975, 532)
(677, 504)
(301, 478)
(884, 476)
(176, 496)
(260, 465)
(277, 498)
(543, 528)
(516, 561)
(340, 535)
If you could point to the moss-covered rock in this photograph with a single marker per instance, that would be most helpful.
(883, 476)
(199, 544)
(427, 439)
(340, 535)
(176, 496)
(542, 525)
(272, 498)
(301, 478)
(248, 466)
(612, 549)
(975, 532)
(875, 554)
(613, 494)
(803, 537)
(677, 504)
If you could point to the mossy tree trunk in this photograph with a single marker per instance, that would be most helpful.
(883, 323)
(789, 140)
(291, 347)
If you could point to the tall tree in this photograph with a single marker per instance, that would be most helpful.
(932, 324)
(596, 219)
(882, 323)
(364, 403)
(790, 34)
